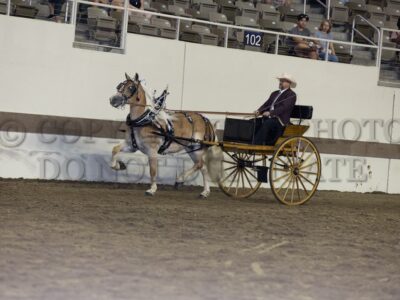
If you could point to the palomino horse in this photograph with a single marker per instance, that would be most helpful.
(152, 131)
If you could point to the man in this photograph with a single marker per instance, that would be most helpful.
(300, 46)
(276, 111)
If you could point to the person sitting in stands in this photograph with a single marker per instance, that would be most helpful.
(276, 111)
(55, 7)
(395, 38)
(302, 47)
(324, 32)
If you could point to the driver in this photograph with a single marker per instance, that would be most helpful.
(276, 111)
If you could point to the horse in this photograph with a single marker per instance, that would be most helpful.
(153, 131)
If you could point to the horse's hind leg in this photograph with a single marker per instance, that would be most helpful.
(197, 158)
(153, 175)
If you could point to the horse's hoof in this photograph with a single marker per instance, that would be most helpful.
(204, 195)
(178, 185)
(122, 166)
(147, 193)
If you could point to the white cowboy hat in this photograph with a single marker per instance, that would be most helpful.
(289, 78)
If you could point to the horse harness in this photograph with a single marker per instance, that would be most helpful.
(148, 118)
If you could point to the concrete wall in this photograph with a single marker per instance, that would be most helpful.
(42, 73)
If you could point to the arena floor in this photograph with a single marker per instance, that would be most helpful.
(108, 241)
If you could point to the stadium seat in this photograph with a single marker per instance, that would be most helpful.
(393, 4)
(340, 36)
(343, 53)
(200, 34)
(287, 26)
(393, 13)
(43, 11)
(366, 29)
(102, 27)
(160, 7)
(247, 22)
(357, 7)
(380, 3)
(178, 10)
(25, 9)
(337, 3)
(185, 4)
(206, 8)
(219, 18)
(165, 28)
(290, 15)
(247, 9)
(340, 15)
(228, 8)
(267, 11)
(3, 8)
(376, 12)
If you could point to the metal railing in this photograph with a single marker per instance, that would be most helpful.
(227, 27)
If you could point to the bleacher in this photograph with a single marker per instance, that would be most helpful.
(103, 25)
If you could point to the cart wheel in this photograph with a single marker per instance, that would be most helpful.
(239, 179)
(295, 171)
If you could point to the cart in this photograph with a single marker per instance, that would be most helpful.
(292, 166)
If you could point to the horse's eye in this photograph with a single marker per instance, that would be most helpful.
(132, 89)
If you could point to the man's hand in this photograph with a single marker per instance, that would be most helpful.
(266, 114)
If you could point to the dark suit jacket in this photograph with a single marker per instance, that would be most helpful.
(283, 106)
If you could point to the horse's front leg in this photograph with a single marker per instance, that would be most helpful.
(115, 163)
(153, 175)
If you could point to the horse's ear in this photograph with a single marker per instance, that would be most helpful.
(127, 77)
(136, 77)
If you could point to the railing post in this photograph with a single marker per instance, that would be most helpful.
(74, 12)
(304, 7)
(226, 37)
(124, 29)
(178, 29)
(328, 10)
(8, 7)
(66, 12)
(352, 36)
(277, 43)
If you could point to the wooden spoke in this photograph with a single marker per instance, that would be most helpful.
(286, 180)
(230, 174)
(310, 173)
(233, 179)
(309, 165)
(298, 189)
(293, 181)
(306, 179)
(288, 186)
(248, 180)
(283, 176)
(229, 162)
(302, 184)
(251, 174)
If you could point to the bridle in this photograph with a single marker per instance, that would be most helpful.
(133, 89)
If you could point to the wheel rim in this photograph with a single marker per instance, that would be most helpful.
(295, 171)
(239, 179)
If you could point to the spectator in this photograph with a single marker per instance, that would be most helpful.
(324, 32)
(55, 7)
(302, 47)
(395, 38)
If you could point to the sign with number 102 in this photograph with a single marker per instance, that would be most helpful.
(252, 38)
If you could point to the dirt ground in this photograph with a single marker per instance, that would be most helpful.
(61, 240)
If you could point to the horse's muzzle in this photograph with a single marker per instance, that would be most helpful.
(117, 101)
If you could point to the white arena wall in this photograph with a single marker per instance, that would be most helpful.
(41, 73)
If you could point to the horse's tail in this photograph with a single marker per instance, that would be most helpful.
(214, 156)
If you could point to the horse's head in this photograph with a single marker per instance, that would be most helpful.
(127, 92)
